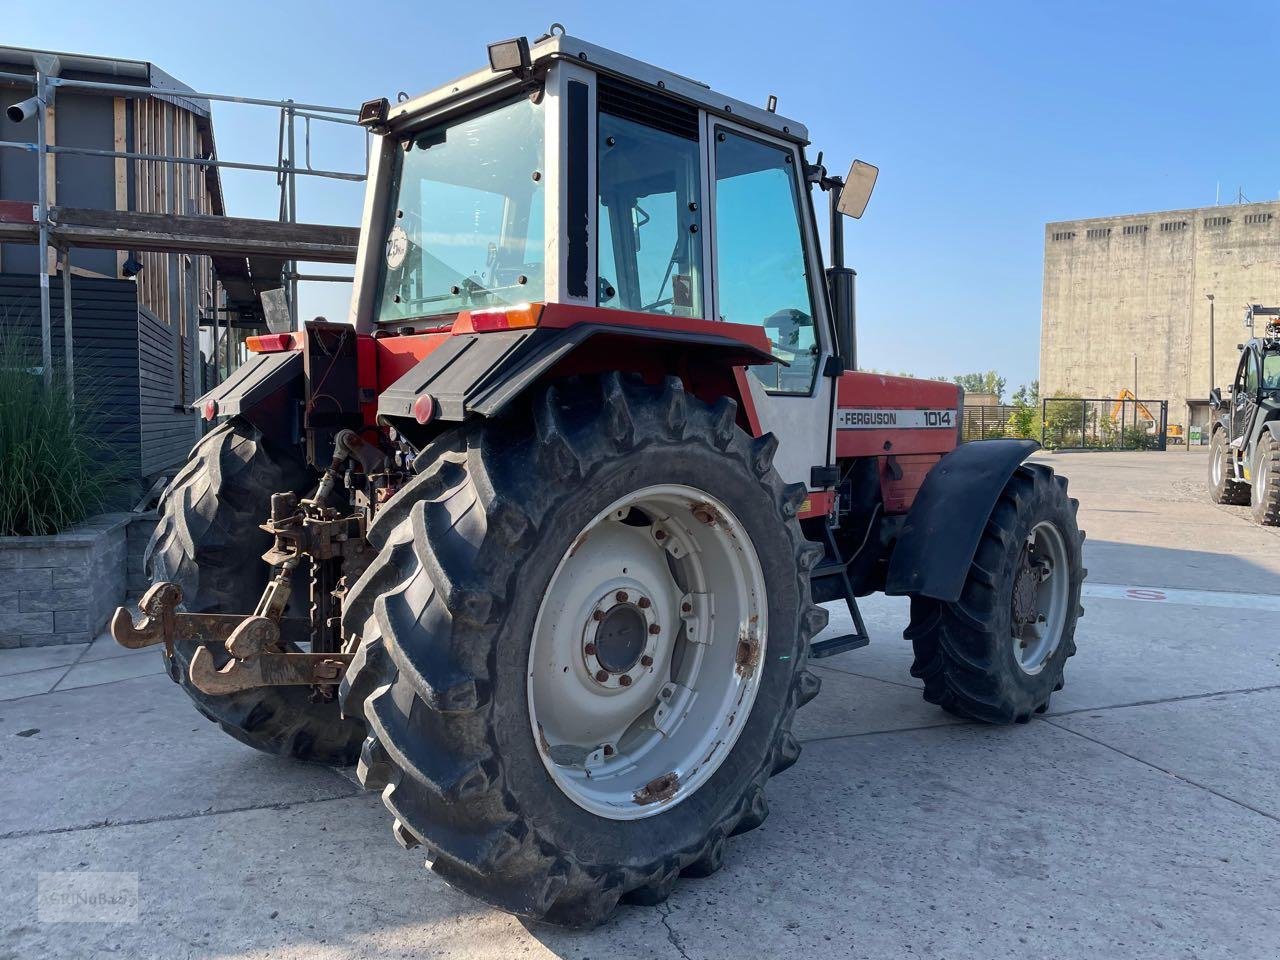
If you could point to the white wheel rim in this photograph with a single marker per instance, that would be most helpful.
(1216, 455)
(1042, 591)
(677, 607)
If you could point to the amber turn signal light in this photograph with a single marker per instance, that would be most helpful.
(506, 318)
(270, 343)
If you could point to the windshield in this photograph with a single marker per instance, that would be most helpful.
(1271, 369)
(466, 225)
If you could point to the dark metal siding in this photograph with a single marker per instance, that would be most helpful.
(124, 357)
(86, 121)
(17, 177)
(168, 428)
(105, 339)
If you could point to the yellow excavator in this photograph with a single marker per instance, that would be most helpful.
(1173, 432)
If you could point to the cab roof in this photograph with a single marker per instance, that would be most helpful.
(559, 47)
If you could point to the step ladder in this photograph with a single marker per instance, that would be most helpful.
(836, 566)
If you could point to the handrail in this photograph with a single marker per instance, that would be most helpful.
(45, 84)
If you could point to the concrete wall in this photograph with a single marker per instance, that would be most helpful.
(1117, 286)
(62, 589)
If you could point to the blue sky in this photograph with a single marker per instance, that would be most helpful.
(986, 119)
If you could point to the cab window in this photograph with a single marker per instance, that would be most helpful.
(761, 270)
(1250, 374)
(466, 216)
(649, 250)
(1271, 370)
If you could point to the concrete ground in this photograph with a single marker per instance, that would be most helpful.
(1140, 817)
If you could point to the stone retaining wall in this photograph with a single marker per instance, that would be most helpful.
(140, 527)
(63, 588)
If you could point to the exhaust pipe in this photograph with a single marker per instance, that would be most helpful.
(841, 287)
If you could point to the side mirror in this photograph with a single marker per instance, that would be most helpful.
(857, 189)
(1215, 398)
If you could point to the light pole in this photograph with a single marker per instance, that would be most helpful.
(1209, 297)
(1135, 383)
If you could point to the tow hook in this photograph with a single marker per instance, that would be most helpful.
(252, 644)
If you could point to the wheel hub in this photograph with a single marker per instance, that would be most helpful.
(1024, 591)
(620, 635)
(1041, 589)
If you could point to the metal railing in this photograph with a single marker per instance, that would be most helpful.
(44, 84)
(1101, 423)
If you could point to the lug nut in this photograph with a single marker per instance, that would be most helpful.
(686, 607)
(654, 629)
(589, 649)
(598, 615)
(621, 596)
(643, 603)
(624, 680)
(608, 750)
(646, 661)
(660, 535)
(602, 675)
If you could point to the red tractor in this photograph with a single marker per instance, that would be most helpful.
(547, 525)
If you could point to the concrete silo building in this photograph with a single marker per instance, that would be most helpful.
(1146, 286)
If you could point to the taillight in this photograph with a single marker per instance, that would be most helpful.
(270, 343)
(424, 408)
(506, 318)
(210, 409)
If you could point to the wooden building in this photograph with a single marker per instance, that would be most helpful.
(136, 332)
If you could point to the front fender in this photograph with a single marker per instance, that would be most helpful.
(946, 520)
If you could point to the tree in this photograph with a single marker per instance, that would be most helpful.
(1062, 422)
(989, 382)
(888, 373)
(1027, 395)
(1024, 421)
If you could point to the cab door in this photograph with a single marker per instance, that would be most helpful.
(767, 271)
(1244, 398)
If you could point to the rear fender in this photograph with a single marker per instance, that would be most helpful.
(947, 518)
(482, 374)
(266, 390)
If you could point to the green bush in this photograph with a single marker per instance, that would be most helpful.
(55, 467)
(1062, 422)
(1023, 423)
(1137, 438)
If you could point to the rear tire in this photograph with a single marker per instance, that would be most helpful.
(207, 540)
(449, 610)
(985, 657)
(1266, 482)
(1222, 488)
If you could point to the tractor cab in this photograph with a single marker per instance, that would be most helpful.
(569, 176)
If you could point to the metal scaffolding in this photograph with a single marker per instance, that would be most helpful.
(45, 83)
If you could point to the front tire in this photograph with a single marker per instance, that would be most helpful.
(449, 611)
(998, 653)
(1266, 482)
(207, 540)
(1222, 488)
